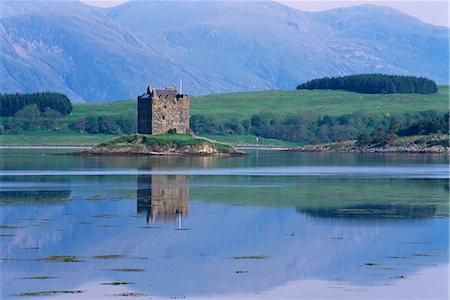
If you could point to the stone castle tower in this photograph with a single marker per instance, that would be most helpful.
(160, 110)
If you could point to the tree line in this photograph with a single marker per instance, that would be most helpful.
(373, 84)
(306, 127)
(301, 127)
(10, 104)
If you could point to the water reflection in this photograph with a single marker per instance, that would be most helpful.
(162, 197)
(247, 233)
(371, 212)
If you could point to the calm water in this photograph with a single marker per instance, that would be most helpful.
(270, 225)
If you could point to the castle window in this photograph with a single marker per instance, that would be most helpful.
(165, 106)
(164, 117)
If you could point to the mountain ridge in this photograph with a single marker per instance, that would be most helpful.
(97, 54)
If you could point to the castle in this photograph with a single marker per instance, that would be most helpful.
(161, 110)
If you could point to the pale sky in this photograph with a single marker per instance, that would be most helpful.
(433, 12)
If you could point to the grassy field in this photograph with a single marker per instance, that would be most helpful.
(54, 139)
(242, 106)
(333, 103)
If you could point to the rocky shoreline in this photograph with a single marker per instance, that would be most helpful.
(384, 149)
(165, 151)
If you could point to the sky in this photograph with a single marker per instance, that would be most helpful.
(433, 12)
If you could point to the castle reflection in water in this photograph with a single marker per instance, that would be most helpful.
(162, 197)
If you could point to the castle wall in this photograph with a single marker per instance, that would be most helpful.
(170, 113)
(144, 115)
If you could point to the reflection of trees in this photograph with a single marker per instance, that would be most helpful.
(33, 197)
(372, 211)
(162, 197)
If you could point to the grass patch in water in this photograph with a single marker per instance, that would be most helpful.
(419, 243)
(240, 271)
(371, 264)
(116, 283)
(130, 294)
(106, 216)
(39, 277)
(111, 256)
(428, 255)
(399, 277)
(7, 235)
(9, 227)
(250, 257)
(125, 270)
(47, 293)
(63, 258)
(95, 198)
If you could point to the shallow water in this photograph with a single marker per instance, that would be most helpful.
(270, 225)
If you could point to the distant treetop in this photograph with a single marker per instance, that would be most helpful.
(12, 103)
(373, 84)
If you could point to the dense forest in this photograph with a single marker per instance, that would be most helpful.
(10, 104)
(373, 84)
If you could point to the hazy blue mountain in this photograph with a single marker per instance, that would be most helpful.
(220, 46)
(71, 48)
(381, 38)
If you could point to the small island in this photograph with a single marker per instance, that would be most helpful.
(162, 144)
(163, 129)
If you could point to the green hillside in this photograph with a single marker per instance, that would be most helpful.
(323, 102)
(237, 107)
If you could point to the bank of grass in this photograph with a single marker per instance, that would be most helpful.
(152, 141)
(65, 138)
(252, 141)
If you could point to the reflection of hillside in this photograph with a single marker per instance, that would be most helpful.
(162, 197)
(372, 211)
(33, 197)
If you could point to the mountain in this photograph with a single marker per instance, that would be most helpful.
(70, 47)
(97, 54)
